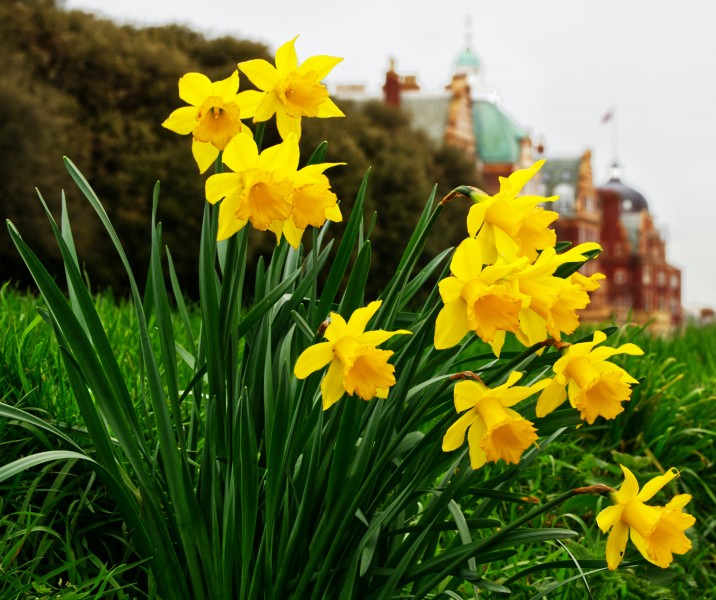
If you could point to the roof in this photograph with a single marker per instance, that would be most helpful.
(498, 136)
(428, 113)
(632, 200)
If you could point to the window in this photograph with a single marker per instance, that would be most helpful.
(646, 276)
(621, 276)
(661, 278)
(674, 281)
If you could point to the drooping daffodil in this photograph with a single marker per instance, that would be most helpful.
(357, 366)
(596, 387)
(656, 531)
(478, 298)
(494, 430)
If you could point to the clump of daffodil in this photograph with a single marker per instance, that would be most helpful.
(215, 114)
(357, 366)
(656, 531)
(291, 91)
(596, 387)
(497, 221)
(268, 190)
(480, 299)
(494, 431)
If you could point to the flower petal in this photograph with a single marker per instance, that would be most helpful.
(327, 109)
(248, 102)
(332, 385)
(475, 437)
(261, 73)
(229, 224)
(609, 516)
(455, 435)
(286, 59)
(221, 185)
(451, 325)
(550, 398)
(241, 153)
(616, 544)
(467, 394)
(466, 263)
(182, 120)
(312, 359)
(204, 154)
(628, 489)
(287, 125)
(292, 233)
(678, 501)
(194, 88)
(267, 107)
(320, 65)
(227, 88)
(378, 336)
(653, 486)
(360, 317)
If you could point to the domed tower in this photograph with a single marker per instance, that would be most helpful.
(634, 258)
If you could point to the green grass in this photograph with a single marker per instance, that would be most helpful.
(61, 536)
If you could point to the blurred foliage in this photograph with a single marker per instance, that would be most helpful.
(98, 92)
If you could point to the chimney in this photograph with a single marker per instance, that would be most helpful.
(391, 88)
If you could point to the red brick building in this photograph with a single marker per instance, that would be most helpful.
(641, 286)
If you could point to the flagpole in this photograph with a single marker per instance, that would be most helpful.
(614, 136)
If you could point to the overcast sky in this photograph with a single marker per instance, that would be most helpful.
(558, 65)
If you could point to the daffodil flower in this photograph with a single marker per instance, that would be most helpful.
(357, 366)
(291, 91)
(554, 301)
(214, 116)
(497, 221)
(259, 190)
(494, 431)
(596, 387)
(656, 531)
(483, 300)
(313, 203)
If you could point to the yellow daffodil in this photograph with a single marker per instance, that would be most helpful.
(313, 203)
(214, 116)
(260, 188)
(656, 531)
(554, 301)
(292, 91)
(357, 366)
(596, 388)
(483, 300)
(497, 221)
(494, 431)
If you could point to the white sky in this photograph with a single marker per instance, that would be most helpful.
(559, 66)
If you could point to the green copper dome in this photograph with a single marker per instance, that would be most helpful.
(467, 60)
(498, 137)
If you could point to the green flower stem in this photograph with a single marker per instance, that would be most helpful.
(259, 135)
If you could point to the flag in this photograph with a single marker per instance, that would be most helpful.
(608, 116)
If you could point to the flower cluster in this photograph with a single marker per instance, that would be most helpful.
(656, 531)
(505, 278)
(266, 188)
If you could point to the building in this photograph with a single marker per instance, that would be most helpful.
(640, 286)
